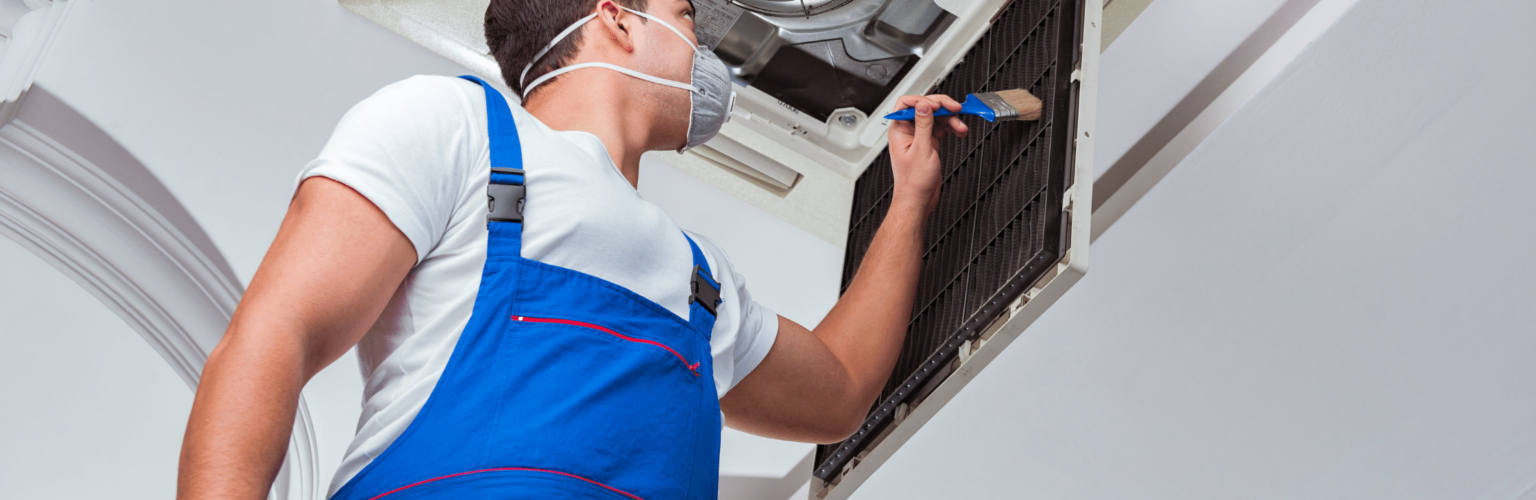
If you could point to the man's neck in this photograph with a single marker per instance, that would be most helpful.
(598, 103)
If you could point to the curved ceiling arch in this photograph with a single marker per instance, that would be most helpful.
(75, 197)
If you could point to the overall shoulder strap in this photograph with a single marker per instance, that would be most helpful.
(506, 192)
(706, 291)
(506, 149)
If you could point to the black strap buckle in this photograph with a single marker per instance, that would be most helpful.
(505, 201)
(706, 291)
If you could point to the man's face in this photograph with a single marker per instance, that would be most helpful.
(679, 13)
(663, 54)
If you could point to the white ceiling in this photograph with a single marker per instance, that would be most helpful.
(226, 100)
(1163, 56)
(1118, 14)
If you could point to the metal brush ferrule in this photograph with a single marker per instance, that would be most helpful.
(1001, 107)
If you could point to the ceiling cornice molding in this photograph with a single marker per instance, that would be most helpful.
(80, 201)
(61, 190)
(26, 40)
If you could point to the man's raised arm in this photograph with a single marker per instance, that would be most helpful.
(817, 386)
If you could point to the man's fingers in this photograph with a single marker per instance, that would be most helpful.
(950, 124)
(935, 101)
(957, 126)
(923, 129)
(945, 101)
(922, 136)
(909, 101)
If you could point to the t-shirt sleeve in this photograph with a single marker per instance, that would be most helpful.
(406, 149)
(759, 328)
(747, 327)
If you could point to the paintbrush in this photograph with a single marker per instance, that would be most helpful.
(1015, 104)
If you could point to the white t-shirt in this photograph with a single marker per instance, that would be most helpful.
(418, 149)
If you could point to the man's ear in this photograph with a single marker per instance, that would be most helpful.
(617, 24)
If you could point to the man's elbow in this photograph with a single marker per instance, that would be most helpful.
(843, 415)
(838, 426)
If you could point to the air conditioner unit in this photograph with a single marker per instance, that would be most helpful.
(806, 143)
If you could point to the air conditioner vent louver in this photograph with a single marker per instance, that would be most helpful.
(1000, 224)
(790, 7)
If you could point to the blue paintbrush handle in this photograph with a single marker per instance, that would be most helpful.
(971, 106)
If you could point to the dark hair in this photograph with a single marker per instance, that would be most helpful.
(515, 30)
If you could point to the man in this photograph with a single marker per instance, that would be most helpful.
(527, 326)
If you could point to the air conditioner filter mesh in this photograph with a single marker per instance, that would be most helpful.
(999, 224)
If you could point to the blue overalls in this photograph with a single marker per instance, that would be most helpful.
(562, 385)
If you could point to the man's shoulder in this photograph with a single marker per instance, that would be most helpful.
(713, 255)
(430, 85)
(422, 114)
(422, 95)
(441, 97)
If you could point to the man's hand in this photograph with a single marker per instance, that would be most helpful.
(915, 147)
(334, 265)
(818, 385)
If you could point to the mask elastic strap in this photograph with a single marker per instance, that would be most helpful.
(617, 68)
(522, 78)
(568, 30)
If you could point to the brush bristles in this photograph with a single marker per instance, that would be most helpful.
(1027, 105)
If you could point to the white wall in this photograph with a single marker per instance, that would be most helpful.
(1330, 298)
(224, 102)
(87, 408)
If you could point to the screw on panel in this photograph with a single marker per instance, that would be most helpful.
(848, 120)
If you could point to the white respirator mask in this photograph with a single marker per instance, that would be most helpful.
(710, 95)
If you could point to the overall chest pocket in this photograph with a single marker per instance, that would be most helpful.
(618, 407)
(691, 367)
